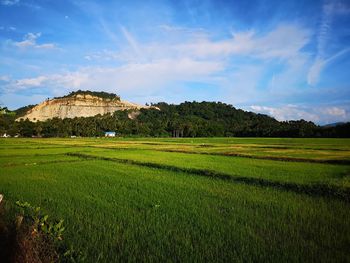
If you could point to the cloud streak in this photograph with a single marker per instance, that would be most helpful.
(330, 9)
(319, 65)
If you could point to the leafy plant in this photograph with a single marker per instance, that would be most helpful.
(42, 225)
(40, 221)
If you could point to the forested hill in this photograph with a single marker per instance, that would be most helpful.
(188, 119)
(202, 119)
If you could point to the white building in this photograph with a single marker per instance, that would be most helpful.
(110, 134)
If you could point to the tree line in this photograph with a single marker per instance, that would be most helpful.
(100, 94)
(188, 119)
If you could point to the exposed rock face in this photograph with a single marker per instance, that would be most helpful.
(80, 105)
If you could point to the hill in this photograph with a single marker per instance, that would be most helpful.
(77, 104)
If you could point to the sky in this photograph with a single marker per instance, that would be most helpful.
(288, 59)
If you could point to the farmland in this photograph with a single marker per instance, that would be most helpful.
(202, 199)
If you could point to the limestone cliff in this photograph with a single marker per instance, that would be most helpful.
(78, 105)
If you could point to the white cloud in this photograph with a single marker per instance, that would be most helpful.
(9, 2)
(318, 114)
(288, 112)
(145, 69)
(131, 78)
(334, 111)
(30, 39)
(56, 83)
(30, 82)
(281, 46)
(282, 43)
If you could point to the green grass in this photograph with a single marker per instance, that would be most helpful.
(116, 211)
(296, 172)
(319, 150)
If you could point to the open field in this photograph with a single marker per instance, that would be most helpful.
(206, 199)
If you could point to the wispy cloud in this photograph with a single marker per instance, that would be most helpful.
(283, 42)
(320, 63)
(30, 40)
(57, 84)
(131, 40)
(8, 28)
(144, 68)
(273, 44)
(330, 9)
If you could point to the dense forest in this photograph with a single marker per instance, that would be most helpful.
(188, 119)
(101, 94)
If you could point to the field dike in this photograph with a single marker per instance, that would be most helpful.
(321, 190)
(272, 158)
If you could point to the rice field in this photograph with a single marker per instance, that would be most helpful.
(188, 199)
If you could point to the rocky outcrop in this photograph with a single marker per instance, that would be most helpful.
(79, 105)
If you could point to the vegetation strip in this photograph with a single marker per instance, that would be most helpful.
(32, 148)
(294, 148)
(40, 163)
(322, 190)
(30, 155)
(273, 158)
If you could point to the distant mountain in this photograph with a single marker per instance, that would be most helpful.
(333, 124)
(77, 104)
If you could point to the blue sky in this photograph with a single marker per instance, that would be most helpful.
(288, 59)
